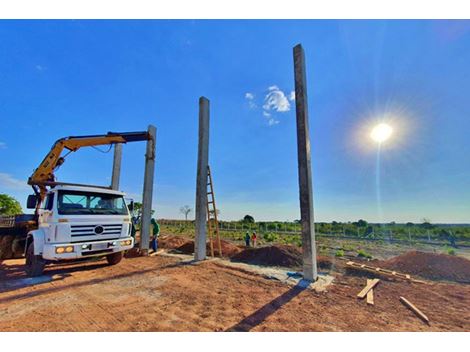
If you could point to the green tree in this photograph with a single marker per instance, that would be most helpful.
(9, 205)
(248, 219)
(426, 224)
(185, 210)
(360, 223)
(137, 212)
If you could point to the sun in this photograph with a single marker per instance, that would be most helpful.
(381, 132)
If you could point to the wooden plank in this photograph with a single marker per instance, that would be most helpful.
(370, 294)
(368, 287)
(415, 310)
(384, 272)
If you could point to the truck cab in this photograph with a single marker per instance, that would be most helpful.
(75, 222)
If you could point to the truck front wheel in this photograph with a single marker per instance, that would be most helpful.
(114, 258)
(34, 263)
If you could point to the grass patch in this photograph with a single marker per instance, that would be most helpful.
(363, 254)
(339, 253)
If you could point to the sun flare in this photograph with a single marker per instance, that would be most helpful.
(381, 132)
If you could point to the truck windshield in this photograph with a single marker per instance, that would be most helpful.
(78, 203)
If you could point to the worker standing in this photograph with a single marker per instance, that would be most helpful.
(253, 238)
(155, 232)
(247, 239)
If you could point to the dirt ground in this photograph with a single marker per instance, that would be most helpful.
(162, 293)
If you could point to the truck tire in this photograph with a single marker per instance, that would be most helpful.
(34, 263)
(6, 247)
(114, 258)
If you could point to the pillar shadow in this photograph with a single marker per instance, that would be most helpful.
(268, 309)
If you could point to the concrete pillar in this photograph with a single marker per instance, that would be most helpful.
(201, 181)
(116, 166)
(305, 171)
(148, 191)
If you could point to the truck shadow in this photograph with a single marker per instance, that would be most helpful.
(13, 276)
(63, 273)
(268, 309)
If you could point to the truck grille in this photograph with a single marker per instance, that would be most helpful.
(96, 230)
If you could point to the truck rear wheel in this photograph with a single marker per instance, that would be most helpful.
(6, 247)
(34, 263)
(114, 258)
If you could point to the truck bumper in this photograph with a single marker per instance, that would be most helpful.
(86, 249)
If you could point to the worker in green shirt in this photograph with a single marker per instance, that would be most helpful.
(155, 233)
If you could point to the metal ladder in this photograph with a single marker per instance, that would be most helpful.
(212, 222)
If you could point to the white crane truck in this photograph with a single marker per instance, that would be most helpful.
(71, 221)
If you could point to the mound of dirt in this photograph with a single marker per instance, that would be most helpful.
(228, 249)
(277, 255)
(431, 266)
(172, 242)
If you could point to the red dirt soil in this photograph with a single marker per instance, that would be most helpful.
(228, 248)
(161, 293)
(277, 255)
(186, 246)
(171, 242)
(431, 266)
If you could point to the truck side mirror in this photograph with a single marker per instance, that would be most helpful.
(131, 206)
(32, 201)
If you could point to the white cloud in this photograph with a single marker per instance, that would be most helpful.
(3, 145)
(9, 182)
(250, 97)
(266, 114)
(272, 122)
(276, 100)
(292, 96)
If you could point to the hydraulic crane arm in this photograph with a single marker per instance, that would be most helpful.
(44, 174)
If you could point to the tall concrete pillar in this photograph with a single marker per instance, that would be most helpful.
(201, 180)
(148, 191)
(305, 169)
(116, 166)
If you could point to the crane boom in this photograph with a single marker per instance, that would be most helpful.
(44, 174)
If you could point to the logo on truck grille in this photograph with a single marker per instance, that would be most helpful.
(99, 229)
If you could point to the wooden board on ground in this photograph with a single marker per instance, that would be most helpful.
(415, 310)
(370, 285)
(383, 271)
(370, 294)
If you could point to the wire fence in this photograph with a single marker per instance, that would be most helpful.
(377, 233)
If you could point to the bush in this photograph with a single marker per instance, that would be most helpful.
(339, 253)
(361, 253)
(270, 237)
(451, 251)
(347, 248)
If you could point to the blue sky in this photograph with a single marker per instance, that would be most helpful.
(61, 78)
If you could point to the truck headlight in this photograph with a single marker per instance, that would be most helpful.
(126, 243)
(67, 249)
